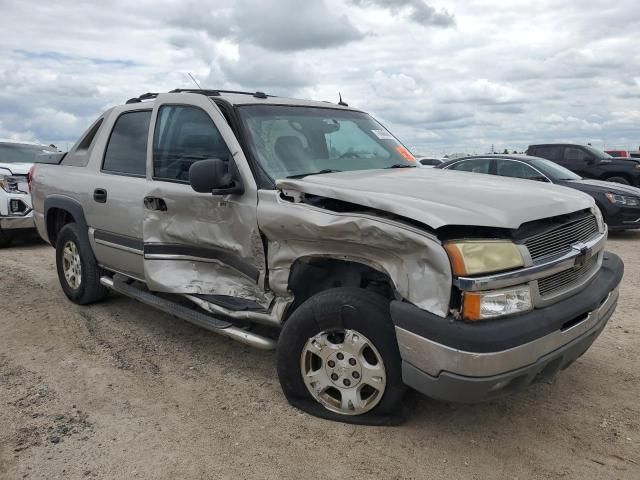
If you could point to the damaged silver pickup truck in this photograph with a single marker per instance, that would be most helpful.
(307, 227)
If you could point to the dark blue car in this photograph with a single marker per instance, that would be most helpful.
(620, 204)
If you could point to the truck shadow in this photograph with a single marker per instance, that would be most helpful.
(24, 242)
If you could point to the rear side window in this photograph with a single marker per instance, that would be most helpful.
(126, 152)
(576, 155)
(510, 168)
(480, 165)
(87, 140)
(550, 153)
(184, 135)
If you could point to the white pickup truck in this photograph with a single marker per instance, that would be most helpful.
(16, 159)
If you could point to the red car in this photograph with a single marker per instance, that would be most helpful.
(618, 153)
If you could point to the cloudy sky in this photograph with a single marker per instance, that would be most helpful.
(446, 76)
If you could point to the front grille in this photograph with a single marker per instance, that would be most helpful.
(559, 239)
(567, 278)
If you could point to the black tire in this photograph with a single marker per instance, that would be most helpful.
(621, 180)
(342, 308)
(90, 290)
(5, 239)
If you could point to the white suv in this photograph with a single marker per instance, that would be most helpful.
(16, 158)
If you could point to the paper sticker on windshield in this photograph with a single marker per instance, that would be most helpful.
(383, 135)
(405, 153)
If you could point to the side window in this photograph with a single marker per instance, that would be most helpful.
(184, 135)
(550, 153)
(509, 168)
(572, 154)
(480, 165)
(126, 151)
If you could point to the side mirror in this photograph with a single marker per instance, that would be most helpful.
(213, 176)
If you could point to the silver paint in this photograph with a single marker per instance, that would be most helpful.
(434, 358)
(413, 259)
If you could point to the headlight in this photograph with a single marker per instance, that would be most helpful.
(496, 303)
(8, 184)
(599, 218)
(471, 257)
(623, 200)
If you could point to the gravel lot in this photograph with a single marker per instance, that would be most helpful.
(118, 390)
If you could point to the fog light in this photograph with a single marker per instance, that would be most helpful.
(496, 303)
(16, 206)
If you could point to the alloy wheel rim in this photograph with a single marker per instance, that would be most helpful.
(343, 371)
(71, 265)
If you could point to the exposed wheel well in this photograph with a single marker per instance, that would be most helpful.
(56, 219)
(312, 275)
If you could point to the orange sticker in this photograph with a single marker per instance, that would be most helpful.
(405, 153)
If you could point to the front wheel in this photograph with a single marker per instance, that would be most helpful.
(338, 358)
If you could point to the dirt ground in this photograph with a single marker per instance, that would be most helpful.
(117, 390)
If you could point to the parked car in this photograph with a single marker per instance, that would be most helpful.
(429, 161)
(619, 204)
(309, 218)
(617, 153)
(589, 162)
(16, 158)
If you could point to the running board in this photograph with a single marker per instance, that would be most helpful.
(272, 318)
(184, 313)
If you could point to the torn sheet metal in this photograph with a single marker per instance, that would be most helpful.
(204, 244)
(413, 259)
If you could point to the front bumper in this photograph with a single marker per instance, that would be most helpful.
(17, 223)
(469, 362)
(16, 211)
(622, 217)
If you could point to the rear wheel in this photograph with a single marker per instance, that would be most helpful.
(338, 358)
(621, 180)
(78, 271)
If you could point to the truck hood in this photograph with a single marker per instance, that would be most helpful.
(443, 197)
(15, 168)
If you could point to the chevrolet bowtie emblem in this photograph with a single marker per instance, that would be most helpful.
(583, 253)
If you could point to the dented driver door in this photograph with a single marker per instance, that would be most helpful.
(198, 243)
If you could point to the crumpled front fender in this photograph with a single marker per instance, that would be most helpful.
(413, 259)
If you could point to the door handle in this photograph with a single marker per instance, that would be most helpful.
(100, 195)
(156, 204)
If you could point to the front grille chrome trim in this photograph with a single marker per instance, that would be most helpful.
(542, 268)
(560, 238)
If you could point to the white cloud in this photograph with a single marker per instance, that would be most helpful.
(446, 76)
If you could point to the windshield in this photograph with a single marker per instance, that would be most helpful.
(297, 141)
(20, 153)
(598, 153)
(552, 169)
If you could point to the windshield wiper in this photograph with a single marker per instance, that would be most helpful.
(326, 170)
(400, 165)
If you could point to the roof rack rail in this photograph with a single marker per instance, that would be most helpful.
(216, 93)
(144, 96)
(209, 93)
